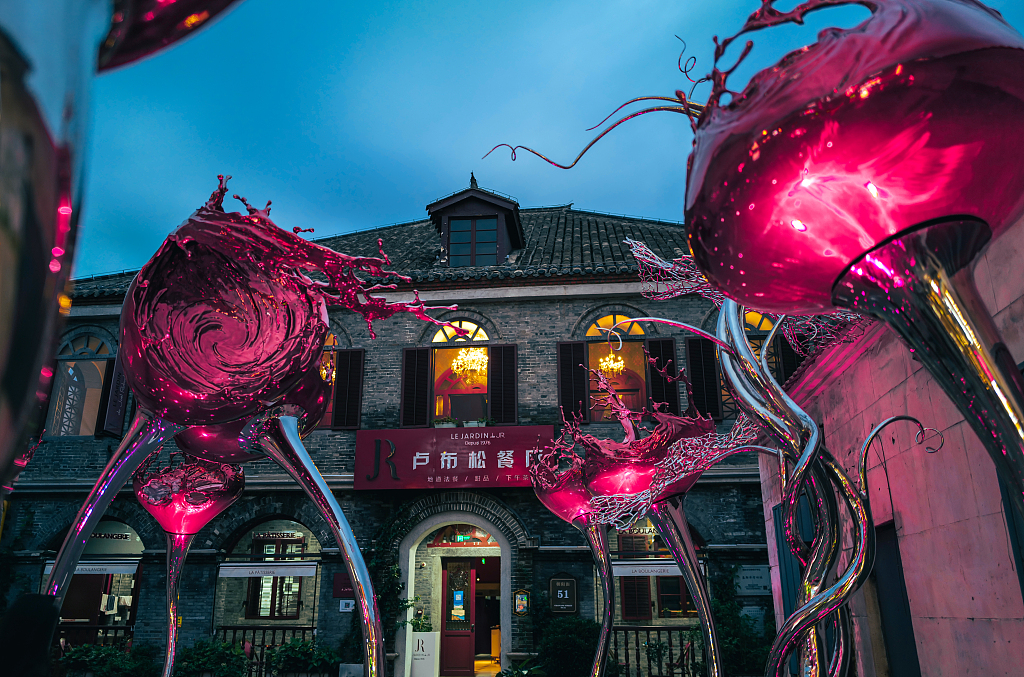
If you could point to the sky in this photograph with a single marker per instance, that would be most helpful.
(354, 115)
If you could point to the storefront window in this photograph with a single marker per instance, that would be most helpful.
(461, 536)
(626, 371)
(275, 597)
(328, 371)
(83, 365)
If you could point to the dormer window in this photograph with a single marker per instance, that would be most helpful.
(473, 242)
(477, 227)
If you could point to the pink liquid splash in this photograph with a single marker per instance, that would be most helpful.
(183, 498)
(223, 320)
(916, 114)
(571, 485)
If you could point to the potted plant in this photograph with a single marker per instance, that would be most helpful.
(211, 659)
(426, 644)
(444, 422)
(90, 660)
(301, 658)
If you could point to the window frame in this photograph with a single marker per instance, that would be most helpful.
(335, 389)
(685, 599)
(255, 583)
(645, 585)
(99, 427)
(473, 239)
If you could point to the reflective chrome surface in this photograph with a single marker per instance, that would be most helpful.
(283, 444)
(668, 518)
(921, 284)
(177, 550)
(144, 437)
(47, 58)
(597, 538)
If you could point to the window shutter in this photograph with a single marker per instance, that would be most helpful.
(573, 380)
(348, 388)
(702, 370)
(789, 360)
(661, 390)
(501, 386)
(116, 395)
(416, 388)
(636, 598)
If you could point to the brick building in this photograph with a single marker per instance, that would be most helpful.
(533, 288)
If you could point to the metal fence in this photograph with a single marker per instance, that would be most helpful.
(258, 640)
(655, 651)
(76, 634)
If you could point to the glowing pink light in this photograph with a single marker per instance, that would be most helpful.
(798, 224)
(65, 210)
(57, 251)
(54, 266)
(872, 189)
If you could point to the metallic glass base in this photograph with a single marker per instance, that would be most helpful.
(177, 550)
(283, 444)
(922, 286)
(668, 518)
(597, 538)
(144, 438)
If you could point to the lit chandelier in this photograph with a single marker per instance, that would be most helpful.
(612, 365)
(470, 364)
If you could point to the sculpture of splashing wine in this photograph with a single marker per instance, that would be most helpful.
(873, 186)
(218, 327)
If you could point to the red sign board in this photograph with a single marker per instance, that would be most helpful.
(448, 458)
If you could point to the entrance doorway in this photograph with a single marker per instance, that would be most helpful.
(458, 624)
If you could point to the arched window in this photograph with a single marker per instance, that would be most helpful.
(80, 383)
(599, 329)
(476, 332)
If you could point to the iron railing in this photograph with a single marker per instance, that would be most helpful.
(655, 650)
(77, 634)
(259, 640)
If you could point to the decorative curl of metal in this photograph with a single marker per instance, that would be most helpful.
(807, 334)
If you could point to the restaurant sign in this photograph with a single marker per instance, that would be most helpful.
(448, 458)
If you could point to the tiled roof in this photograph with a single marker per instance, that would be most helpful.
(560, 241)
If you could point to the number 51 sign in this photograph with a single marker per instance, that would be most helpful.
(562, 590)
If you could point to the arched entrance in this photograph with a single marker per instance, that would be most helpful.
(448, 560)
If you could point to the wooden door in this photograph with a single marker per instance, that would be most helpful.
(458, 625)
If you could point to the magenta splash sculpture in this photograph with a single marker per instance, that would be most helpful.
(868, 171)
(612, 479)
(184, 498)
(220, 333)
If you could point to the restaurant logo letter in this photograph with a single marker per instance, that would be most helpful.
(387, 459)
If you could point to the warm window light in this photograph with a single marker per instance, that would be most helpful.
(612, 365)
(470, 364)
(475, 332)
(600, 327)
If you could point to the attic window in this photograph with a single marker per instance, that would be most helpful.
(473, 242)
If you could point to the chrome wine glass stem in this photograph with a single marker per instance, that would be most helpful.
(668, 518)
(921, 284)
(597, 538)
(283, 444)
(177, 550)
(144, 437)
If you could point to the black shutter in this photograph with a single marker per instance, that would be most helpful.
(573, 380)
(663, 350)
(115, 394)
(348, 388)
(416, 386)
(789, 360)
(501, 386)
(636, 597)
(702, 370)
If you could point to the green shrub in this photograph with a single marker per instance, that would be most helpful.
(567, 646)
(303, 656)
(219, 658)
(111, 661)
(421, 625)
(524, 669)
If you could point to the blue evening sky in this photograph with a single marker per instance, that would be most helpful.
(355, 115)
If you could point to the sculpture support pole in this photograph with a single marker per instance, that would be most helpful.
(668, 518)
(283, 444)
(177, 550)
(146, 435)
(921, 285)
(597, 539)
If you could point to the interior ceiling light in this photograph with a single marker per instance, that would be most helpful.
(470, 364)
(612, 365)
